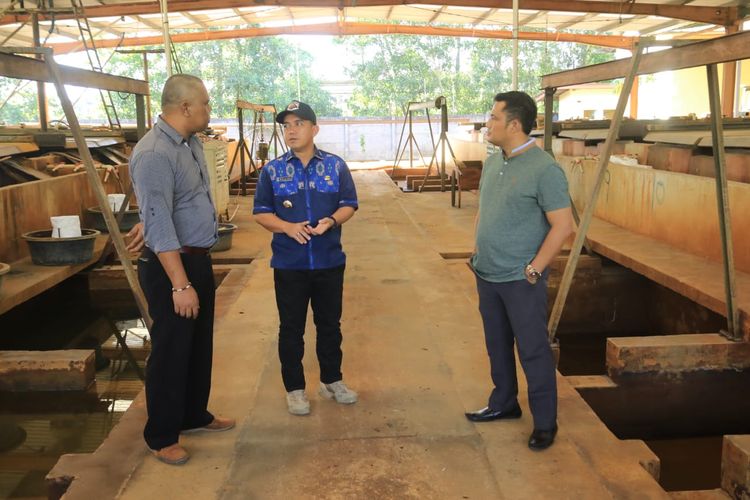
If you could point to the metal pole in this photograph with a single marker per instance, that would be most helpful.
(588, 213)
(515, 44)
(98, 188)
(165, 31)
(722, 201)
(140, 112)
(41, 91)
(241, 145)
(148, 97)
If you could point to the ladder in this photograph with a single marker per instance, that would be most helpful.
(87, 38)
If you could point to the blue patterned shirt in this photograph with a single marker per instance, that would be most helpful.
(297, 194)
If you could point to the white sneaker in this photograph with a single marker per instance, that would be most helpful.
(338, 391)
(297, 403)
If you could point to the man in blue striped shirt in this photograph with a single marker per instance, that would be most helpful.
(304, 197)
(171, 183)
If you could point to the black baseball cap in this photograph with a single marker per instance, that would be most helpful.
(300, 110)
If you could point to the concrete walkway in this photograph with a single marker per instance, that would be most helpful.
(414, 350)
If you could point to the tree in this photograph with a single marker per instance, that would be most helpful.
(393, 70)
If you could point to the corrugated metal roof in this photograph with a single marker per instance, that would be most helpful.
(149, 24)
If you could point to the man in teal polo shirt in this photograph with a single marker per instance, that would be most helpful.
(523, 220)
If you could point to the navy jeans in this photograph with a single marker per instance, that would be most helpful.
(178, 372)
(516, 312)
(323, 288)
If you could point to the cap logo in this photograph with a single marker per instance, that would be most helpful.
(294, 106)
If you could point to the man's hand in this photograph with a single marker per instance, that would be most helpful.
(136, 239)
(186, 303)
(299, 231)
(324, 225)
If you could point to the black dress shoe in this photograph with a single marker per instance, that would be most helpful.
(487, 415)
(541, 440)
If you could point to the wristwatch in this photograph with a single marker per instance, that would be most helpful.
(532, 275)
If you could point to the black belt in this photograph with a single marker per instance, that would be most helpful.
(194, 250)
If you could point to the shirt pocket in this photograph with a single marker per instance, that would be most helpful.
(285, 181)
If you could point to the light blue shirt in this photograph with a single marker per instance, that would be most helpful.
(173, 190)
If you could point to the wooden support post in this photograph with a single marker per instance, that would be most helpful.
(41, 91)
(722, 201)
(98, 187)
(140, 115)
(549, 103)
(588, 213)
(729, 79)
(634, 100)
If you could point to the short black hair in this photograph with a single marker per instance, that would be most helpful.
(519, 106)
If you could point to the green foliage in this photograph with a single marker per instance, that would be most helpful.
(261, 70)
(389, 71)
(393, 70)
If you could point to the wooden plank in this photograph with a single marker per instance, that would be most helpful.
(718, 50)
(264, 108)
(25, 68)
(27, 280)
(689, 275)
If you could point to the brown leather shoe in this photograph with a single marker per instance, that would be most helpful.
(218, 424)
(172, 455)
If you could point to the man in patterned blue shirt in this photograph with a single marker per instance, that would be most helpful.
(303, 197)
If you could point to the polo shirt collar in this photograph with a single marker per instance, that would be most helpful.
(170, 131)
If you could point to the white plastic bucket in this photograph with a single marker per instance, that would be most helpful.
(115, 202)
(66, 226)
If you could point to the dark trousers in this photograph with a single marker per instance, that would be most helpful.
(323, 288)
(517, 310)
(178, 373)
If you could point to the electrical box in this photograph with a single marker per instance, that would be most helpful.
(218, 173)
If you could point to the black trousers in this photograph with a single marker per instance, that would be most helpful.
(178, 373)
(516, 312)
(323, 288)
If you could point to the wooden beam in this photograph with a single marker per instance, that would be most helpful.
(526, 20)
(723, 16)
(436, 14)
(243, 16)
(612, 41)
(481, 18)
(194, 19)
(729, 81)
(262, 108)
(25, 68)
(574, 21)
(718, 50)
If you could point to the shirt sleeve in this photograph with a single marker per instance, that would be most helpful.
(263, 201)
(347, 190)
(553, 189)
(153, 180)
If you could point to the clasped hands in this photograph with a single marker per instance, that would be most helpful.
(302, 232)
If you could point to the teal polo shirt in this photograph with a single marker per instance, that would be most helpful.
(514, 194)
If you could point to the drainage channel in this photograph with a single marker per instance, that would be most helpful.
(682, 418)
(37, 427)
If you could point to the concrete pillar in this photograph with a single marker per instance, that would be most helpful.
(735, 466)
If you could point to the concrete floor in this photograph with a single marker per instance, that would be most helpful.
(414, 350)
